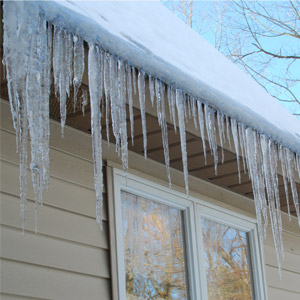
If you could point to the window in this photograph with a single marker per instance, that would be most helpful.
(169, 246)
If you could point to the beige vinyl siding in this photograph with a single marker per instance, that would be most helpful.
(288, 288)
(69, 257)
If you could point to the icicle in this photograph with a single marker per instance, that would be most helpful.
(201, 126)
(158, 100)
(130, 101)
(171, 103)
(211, 133)
(122, 114)
(102, 66)
(11, 43)
(220, 120)
(95, 95)
(185, 107)
(84, 101)
(107, 90)
(37, 97)
(298, 164)
(141, 85)
(189, 106)
(78, 66)
(241, 131)
(254, 167)
(273, 196)
(194, 114)
(161, 113)
(289, 157)
(284, 176)
(151, 89)
(228, 131)
(114, 101)
(234, 130)
(181, 121)
(133, 79)
(62, 61)
(273, 157)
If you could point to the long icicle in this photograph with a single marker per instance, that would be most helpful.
(95, 96)
(161, 113)
(141, 86)
(181, 122)
(78, 66)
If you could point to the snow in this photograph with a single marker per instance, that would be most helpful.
(179, 57)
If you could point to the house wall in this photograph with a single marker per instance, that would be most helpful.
(69, 257)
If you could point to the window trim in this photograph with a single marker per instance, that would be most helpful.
(193, 209)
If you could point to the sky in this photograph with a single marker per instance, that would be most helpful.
(203, 14)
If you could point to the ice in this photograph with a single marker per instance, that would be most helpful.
(194, 113)
(161, 114)
(234, 130)
(151, 89)
(298, 164)
(130, 101)
(270, 176)
(158, 100)
(284, 176)
(107, 89)
(189, 106)
(141, 86)
(290, 166)
(211, 133)
(254, 167)
(84, 101)
(62, 61)
(181, 123)
(28, 47)
(228, 131)
(114, 100)
(242, 139)
(171, 101)
(94, 73)
(78, 65)
(122, 114)
(220, 120)
(133, 72)
(201, 126)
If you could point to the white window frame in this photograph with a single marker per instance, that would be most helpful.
(193, 209)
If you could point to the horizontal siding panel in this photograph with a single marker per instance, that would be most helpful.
(61, 194)
(16, 297)
(290, 281)
(278, 294)
(50, 252)
(35, 281)
(291, 259)
(291, 241)
(55, 222)
(62, 165)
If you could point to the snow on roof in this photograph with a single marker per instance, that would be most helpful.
(151, 38)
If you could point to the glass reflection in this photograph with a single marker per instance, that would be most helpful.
(154, 250)
(226, 261)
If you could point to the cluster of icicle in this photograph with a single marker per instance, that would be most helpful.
(33, 47)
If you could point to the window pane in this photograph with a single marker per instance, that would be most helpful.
(154, 250)
(226, 261)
